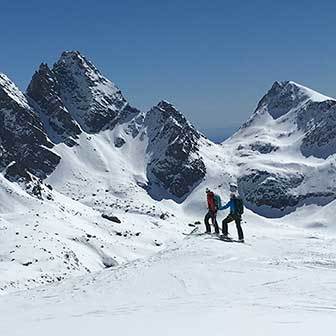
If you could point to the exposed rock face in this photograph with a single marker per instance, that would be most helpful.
(173, 149)
(281, 98)
(92, 100)
(318, 122)
(269, 188)
(22, 138)
(263, 148)
(278, 191)
(119, 142)
(44, 89)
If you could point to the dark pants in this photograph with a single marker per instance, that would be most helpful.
(230, 218)
(212, 215)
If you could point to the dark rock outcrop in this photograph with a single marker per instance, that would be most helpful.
(23, 142)
(263, 147)
(268, 188)
(44, 89)
(318, 122)
(173, 148)
(92, 100)
(114, 219)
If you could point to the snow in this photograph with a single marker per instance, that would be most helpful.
(313, 95)
(13, 91)
(282, 282)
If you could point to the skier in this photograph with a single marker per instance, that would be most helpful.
(213, 205)
(236, 210)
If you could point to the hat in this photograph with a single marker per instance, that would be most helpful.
(207, 190)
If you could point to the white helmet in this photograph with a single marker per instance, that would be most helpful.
(233, 187)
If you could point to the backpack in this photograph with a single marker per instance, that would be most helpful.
(239, 205)
(218, 201)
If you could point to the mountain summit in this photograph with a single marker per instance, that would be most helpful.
(74, 96)
(287, 95)
(286, 150)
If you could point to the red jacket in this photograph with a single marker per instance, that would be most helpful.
(211, 201)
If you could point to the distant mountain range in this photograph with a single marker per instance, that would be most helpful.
(73, 98)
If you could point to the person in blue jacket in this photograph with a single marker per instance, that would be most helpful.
(234, 215)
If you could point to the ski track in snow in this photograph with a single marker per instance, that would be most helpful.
(282, 283)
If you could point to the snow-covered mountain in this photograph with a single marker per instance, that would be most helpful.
(73, 98)
(286, 150)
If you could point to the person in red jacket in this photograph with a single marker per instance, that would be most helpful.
(212, 212)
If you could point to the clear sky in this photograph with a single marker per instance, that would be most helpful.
(213, 59)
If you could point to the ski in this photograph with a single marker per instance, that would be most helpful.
(193, 231)
(230, 240)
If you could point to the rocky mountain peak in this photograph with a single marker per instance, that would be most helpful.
(75, 63)
(281, 98)
(167, 106)
(92, 100)
(74, 96)
(165, 112)
(286, 96)
(175, 163)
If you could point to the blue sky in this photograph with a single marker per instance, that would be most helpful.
(213, 59)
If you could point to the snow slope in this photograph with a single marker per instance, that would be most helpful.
(44, 241)
(282, 282)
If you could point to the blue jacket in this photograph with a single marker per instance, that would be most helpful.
(231, 204)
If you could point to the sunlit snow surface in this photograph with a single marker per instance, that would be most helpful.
(282, 281)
